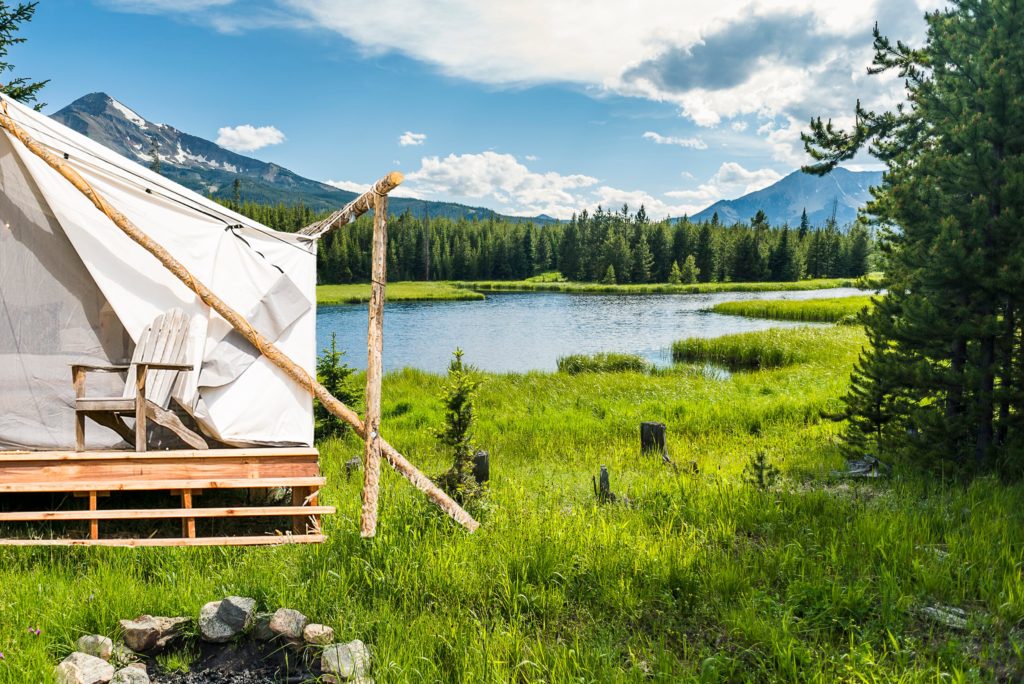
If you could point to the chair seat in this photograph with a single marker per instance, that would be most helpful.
(105, 404)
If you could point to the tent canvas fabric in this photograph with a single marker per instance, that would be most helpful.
(75, 289)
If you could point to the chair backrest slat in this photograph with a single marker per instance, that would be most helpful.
(166, 341)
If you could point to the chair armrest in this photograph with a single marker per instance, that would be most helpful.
(159, 365)
(89, 368)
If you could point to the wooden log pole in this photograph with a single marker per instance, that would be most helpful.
(239, 323)
(357, 207)
(374, 366)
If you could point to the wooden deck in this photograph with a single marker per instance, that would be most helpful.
(99, 477)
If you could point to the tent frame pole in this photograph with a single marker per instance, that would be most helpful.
(239, 322)
(374, 366)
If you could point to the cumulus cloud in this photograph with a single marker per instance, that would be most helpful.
(780, 60)
(500, 178)
(247, 138)
(409, 138)
(351, 186)
(731, 180)
(693, 143)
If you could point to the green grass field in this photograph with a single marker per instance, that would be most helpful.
(327, 295)
(698, 577)
(554, 285)
(831, 310)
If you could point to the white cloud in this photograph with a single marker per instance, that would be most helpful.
(531, 157)
(351, 186)
(731, 180)
(409, 138)
(785, 59)
(500, 178)
(246, 138)
(693, 143)
(739, 126)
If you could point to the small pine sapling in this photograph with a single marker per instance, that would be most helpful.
(759, 472)
(456, 434)
(335, 375)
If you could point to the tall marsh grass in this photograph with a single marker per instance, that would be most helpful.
(603, 362)
(762, 349)
(829, 310)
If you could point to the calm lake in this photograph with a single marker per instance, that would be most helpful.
(517, 332)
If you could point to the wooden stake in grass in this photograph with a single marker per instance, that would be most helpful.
(239, 323)
(374, 369)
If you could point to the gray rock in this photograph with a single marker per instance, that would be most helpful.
(95, 645)
(147, 633)
(318, 635)
(288, 624)
(952, 617)
(130, 675)
(237, 612)
(210, 626)
(261, 627)
(82, 668)
(341, 662)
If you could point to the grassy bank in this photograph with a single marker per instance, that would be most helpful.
(534, 285)
(832, 310)
(699, 577)
(409, 291)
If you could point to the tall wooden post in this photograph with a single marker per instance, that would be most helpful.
(374, 366)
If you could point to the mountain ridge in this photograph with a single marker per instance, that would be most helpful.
(209, 169)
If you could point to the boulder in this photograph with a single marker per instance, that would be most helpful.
(342, 662)
(146, 633)
(288, 624)
(318, 635)
(95, 645)
(221, 621)
(237, 612)
(130, 675)
(82, 668)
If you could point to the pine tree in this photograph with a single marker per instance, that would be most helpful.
(675, 276)
(609, 276)
(805, 224)
(689, 273)
(944, 372)
(705, 254)
(781, 260)
(236, 190)
(11, 19)
(643, 262)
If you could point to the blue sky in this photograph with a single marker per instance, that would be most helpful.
(528, 107)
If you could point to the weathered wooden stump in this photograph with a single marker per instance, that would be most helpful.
(603, 487)
(654, 438)
(481, 466)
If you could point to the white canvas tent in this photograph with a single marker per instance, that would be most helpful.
(75, 289)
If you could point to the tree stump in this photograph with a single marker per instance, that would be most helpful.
(603, 487)
(654, 438)
(481, 466)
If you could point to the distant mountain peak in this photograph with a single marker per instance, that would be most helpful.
(843, 190)
(208, 168)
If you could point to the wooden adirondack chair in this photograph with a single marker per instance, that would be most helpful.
(160, 356)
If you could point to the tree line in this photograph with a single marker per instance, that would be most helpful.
(603, 246)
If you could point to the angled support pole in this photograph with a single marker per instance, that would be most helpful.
(239, 323)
